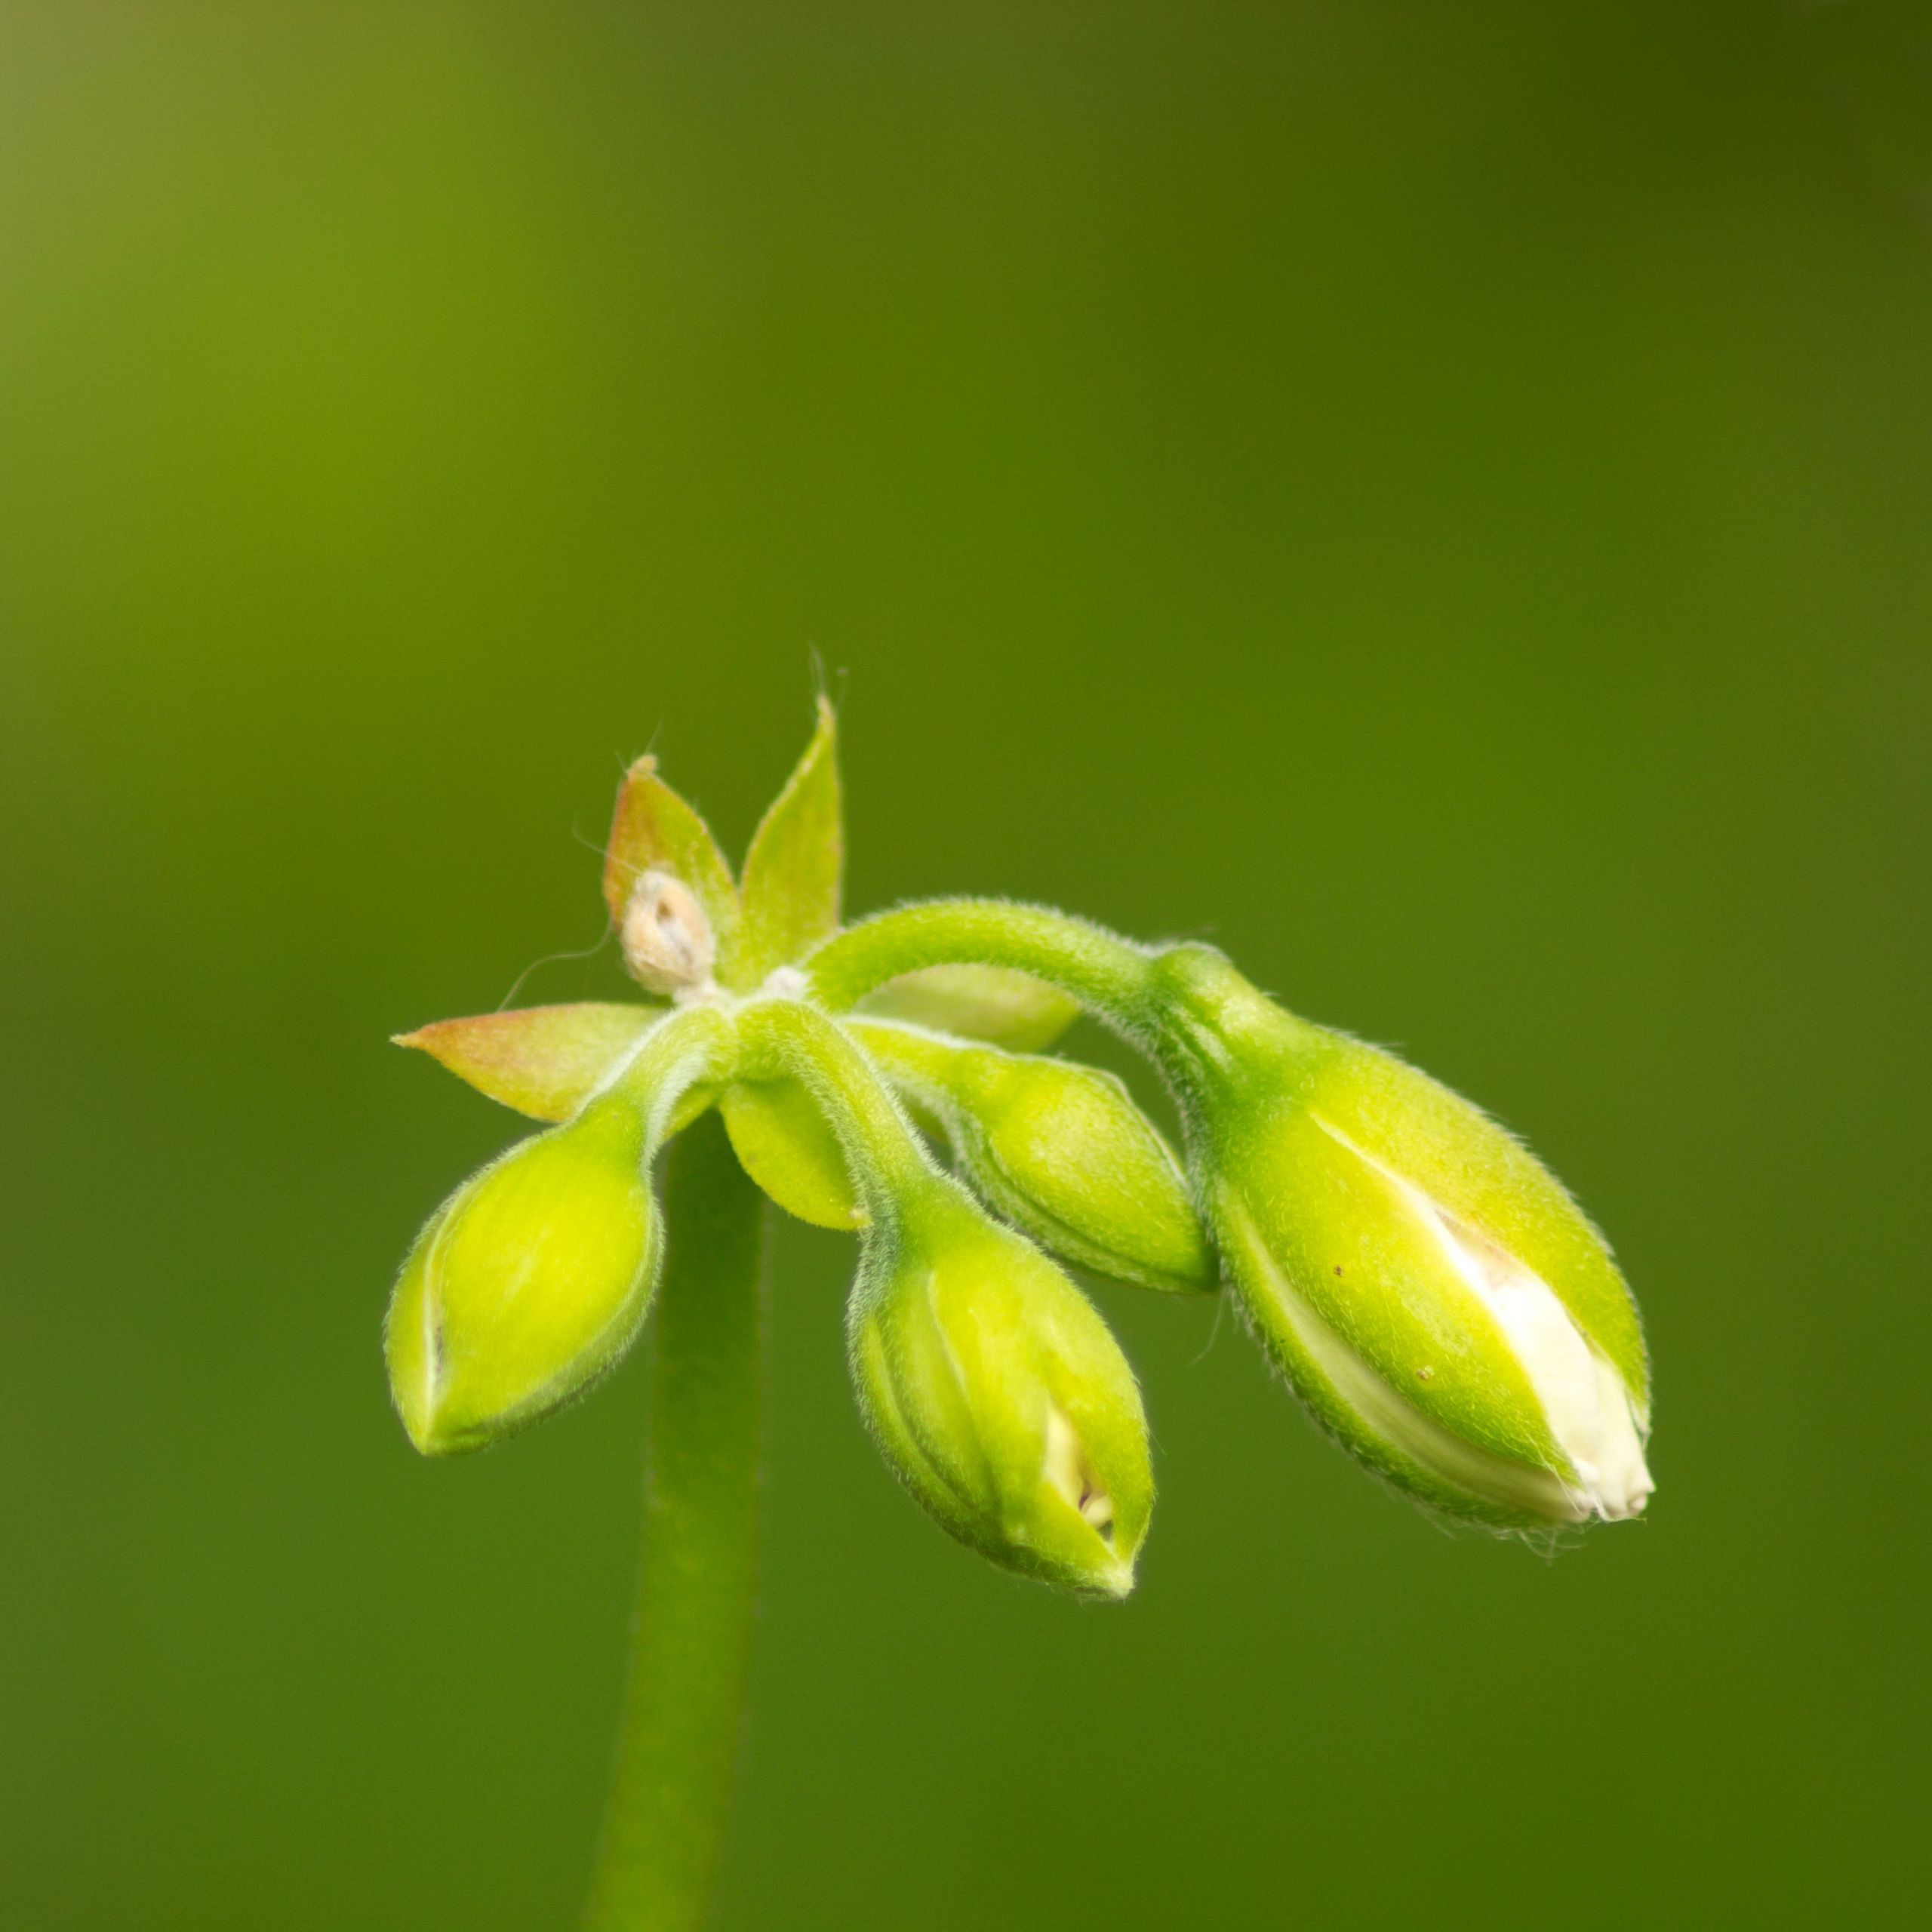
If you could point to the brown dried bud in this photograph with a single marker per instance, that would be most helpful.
(667, 941)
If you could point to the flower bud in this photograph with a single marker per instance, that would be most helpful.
(999, 1396)
(1427, 1287)
(1058, 1148)
(527, 1284)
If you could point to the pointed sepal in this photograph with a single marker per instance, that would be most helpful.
(794, 870)
(545, 1061)
(654, 830)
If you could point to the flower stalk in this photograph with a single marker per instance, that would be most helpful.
(683, 1710)
(1107, 974)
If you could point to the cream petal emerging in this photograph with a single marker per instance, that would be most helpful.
(1588, 1406)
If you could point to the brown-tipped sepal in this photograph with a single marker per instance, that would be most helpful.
(545, 1061)
(654, 830)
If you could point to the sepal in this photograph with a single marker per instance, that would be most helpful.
(783, 1141)
(653, 830)
(794, 871)
(545, 1061)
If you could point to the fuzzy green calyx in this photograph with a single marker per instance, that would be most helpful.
(1427, 1287)
(999, 1397)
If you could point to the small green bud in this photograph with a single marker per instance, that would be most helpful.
(999, 1396)
(527, 1285)
(1060, 1149)
(1426, 1286)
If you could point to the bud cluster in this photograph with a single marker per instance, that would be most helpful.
(1432, 1294)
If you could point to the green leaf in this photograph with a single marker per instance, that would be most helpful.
(793, 869)
(653, 828)
(990, 1003)
(782, 1141)
(545, 1061)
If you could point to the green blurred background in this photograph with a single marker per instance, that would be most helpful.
(1438, 499)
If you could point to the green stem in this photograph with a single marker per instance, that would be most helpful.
(692, 1638)
(677, 1053)
(786, 1038)
(1104, 972)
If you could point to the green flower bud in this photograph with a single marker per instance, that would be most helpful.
(527, 1285)
(999, 1396)
(1058, 1148)
(1427, 1287)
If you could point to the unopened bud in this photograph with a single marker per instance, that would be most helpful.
(1000, 1398)
(1060, 1149)
(527, 1284)
(1428, 1288)
(666, 938)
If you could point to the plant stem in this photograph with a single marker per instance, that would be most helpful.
(1104, 972)
(791, 1040)
(692, 1637)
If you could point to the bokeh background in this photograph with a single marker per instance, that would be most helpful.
(1438, 499)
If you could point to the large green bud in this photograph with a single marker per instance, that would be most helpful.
(999, 1394)
(527, 1284)
(1428, 1288)
(1060, 1149)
